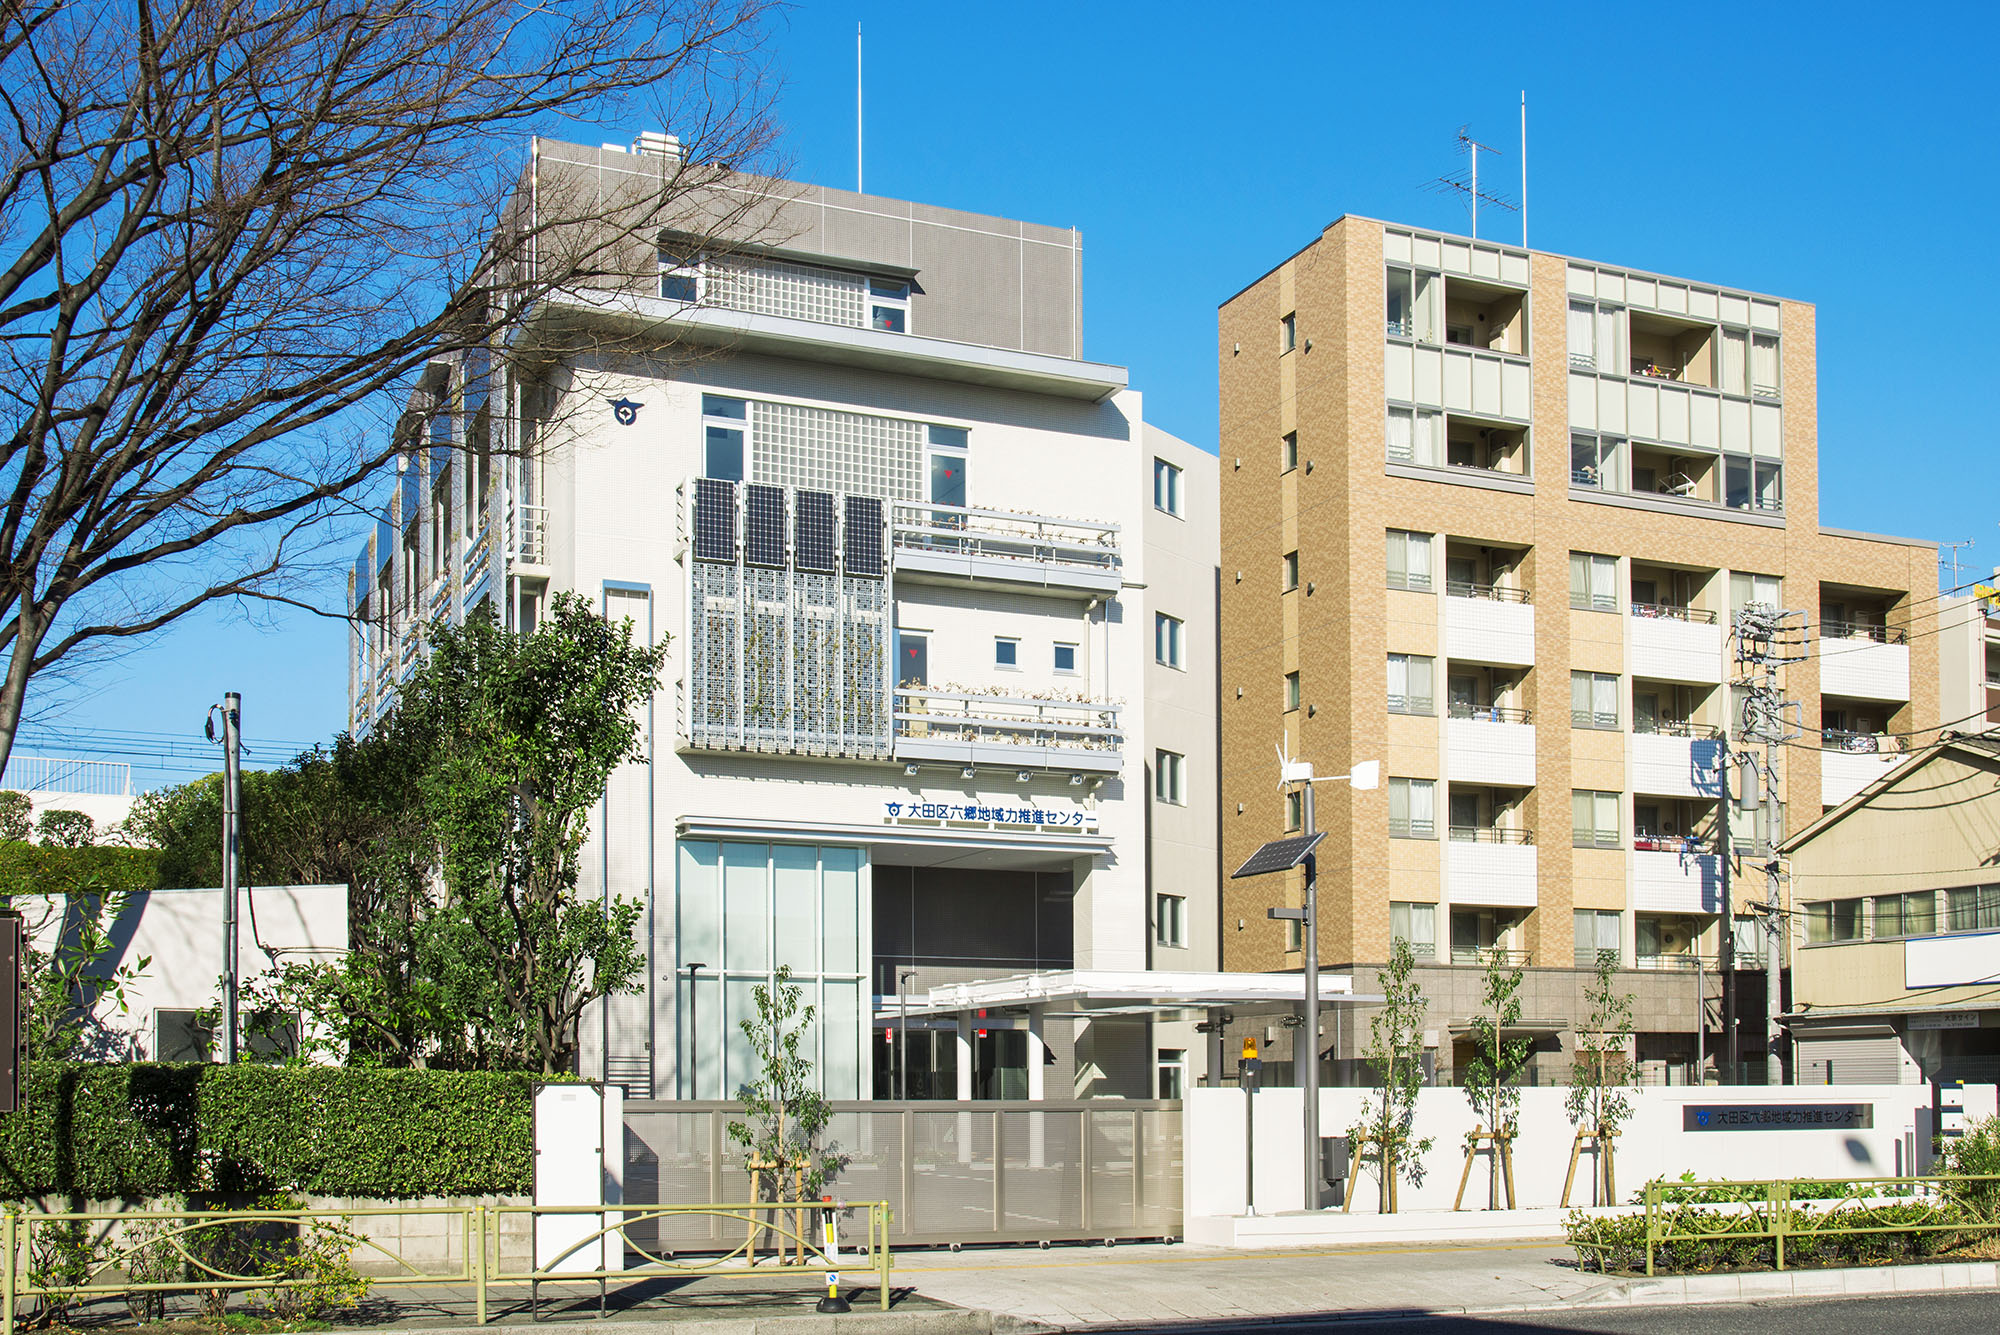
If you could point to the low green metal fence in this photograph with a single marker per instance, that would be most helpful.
(76, 1257)
(1799, 1213)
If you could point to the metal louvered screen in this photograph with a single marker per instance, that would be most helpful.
(952, 1172)
(812, 543)
(763, 525)
(861, 537)
(714, 520)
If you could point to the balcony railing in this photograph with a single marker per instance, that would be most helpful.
(1084, 726)
(1864, 743)
(1689, 961)
(1465, 588)
(1685, 845)
(1583, 361)
(439, 600)
(1491, 713)
(1676, 727)
(1589, 718)
(1671, 612)
(1483, 955)
(1489, 834)
(1399, 329)
(1412, 704)
(1858, 630)
(962, 531)
(1405, 827)
(529, 525)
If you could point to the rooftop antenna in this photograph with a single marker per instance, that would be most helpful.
(1466, 183)
(857, 110)
(1524, 169)
(1953, 547)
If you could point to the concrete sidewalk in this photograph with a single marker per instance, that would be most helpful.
(1088, 1286)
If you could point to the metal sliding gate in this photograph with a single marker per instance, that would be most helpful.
(952, 1172)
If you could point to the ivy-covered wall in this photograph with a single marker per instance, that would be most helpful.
(156, 1129)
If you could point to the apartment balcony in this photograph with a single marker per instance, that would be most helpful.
(1673, 875)
(1488, 624)
(1850, 761)
(528, 539)
(1489, 866)
(1485, 955)
(1868, 662)
(1490, 744)
(475, 571)
(1008, 731)
(959, 545)
(1675, 643)
(1461, 379)
(1678, 760)
(1679, 961)
(437, 602)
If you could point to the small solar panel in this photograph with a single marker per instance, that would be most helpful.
(714, 519)
(1278, 855)
(862, 548)
(812, 541)
(763, 525)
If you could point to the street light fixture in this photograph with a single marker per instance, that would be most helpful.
(1281, 855)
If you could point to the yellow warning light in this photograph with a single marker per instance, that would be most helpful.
(1249, 1049)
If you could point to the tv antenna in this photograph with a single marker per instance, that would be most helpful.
(1465, 182)
(1952, 547)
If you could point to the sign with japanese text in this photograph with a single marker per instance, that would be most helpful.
(1070, 818)
(1778, 1117)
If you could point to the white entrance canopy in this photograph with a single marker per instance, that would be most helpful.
(1084, 993)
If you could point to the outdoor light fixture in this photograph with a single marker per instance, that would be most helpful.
(910, 769)
(1022, 776)
(1076, 781)
(967, 773)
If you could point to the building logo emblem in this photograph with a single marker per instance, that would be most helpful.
(1701, 1117)
(625, 411)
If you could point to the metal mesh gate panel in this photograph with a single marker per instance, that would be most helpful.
(953, 1172)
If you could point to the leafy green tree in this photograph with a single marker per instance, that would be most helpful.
(1603, 1073)
(520, 734)
(1496, 1062)
(17, 811)
(786, 1113)
(66, 829)
(1396, 1053)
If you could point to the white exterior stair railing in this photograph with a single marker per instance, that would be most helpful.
(1007, 731)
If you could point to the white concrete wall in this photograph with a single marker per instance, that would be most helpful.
(1652, 1145)
(180, 931)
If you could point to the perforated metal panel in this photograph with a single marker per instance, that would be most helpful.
(714, 520)
(763, 525)
(812, 542)
(861, 537)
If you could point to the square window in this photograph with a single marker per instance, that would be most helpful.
(1169, 777)
(1593, 700)
(1409, 561)
(1167, 640)
(1413, 808)
(1006, 652)
(1412, 684)
(1065, 659)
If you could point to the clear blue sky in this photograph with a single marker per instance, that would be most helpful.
(1834, 153)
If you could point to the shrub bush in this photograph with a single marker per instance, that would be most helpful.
(1729, 1241)
(155, 1129)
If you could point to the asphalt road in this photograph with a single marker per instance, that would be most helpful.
(1974, 1313)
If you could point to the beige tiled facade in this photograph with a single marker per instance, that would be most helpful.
(1337, 628)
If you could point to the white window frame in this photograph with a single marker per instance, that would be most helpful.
(1167, 637)
(1013, 644)
(950, 446)
(1294, 691)
(1407, 667)
(1423, 941)
(711, 420)
(1075, 658)
(1599, 804)
(897, 300)
(1288, 580)
(1174, 1060)
(684, 266)
(1412, 825)
(1170, 920)
(1288, 451)
(1169, 777)
(1414, 435)
(1591, 563)
(1167, 487)
(1410, 541)
(1597, 692)
(1288, 332)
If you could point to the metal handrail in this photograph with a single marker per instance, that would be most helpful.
(1668, 961)
(1859, 630)
(1686, 845)
(1863, 743)
(1590, 718)
(1412, 704)
(1674, 612)
(957, 529)
(1010, 719)
(1489, 834)
(1491, 955)
(1490, 713)
(1465, 588)
(1675, 727)
(806, 1232)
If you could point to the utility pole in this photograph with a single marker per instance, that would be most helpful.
(232, 848)
(1725, 953)
(1768, 717)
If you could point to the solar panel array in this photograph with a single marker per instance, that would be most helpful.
(1278, 855)
(812, 542)
(863, 535)
(714, 519)
(763, 525)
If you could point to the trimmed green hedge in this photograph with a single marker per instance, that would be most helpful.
(44, 869)
(155, 1129)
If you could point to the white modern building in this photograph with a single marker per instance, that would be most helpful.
(940, 701)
